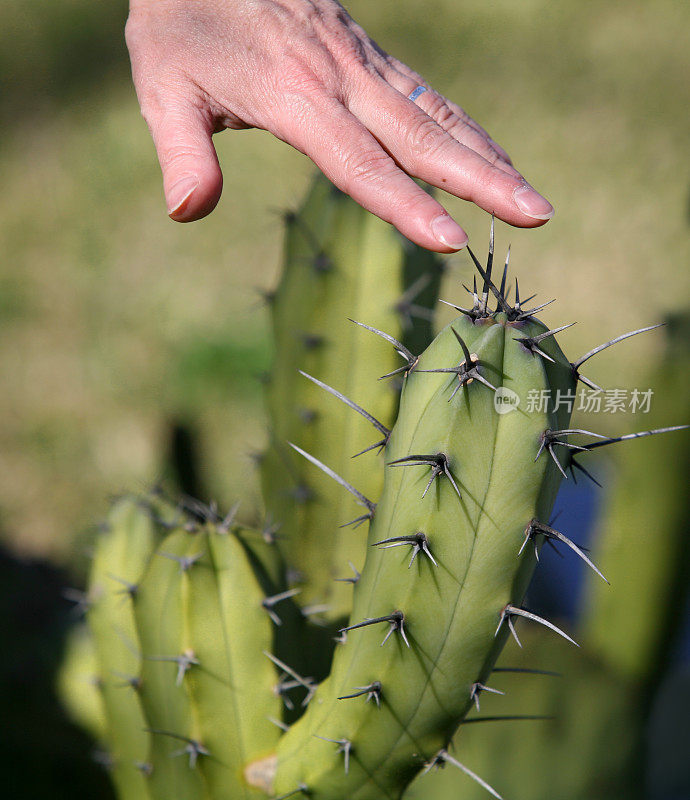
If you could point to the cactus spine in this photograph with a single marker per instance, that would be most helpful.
(631, 629)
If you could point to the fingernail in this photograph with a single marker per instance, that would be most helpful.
(448, 232)
(531, 203)
(180, 193)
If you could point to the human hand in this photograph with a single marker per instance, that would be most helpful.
(306, 72)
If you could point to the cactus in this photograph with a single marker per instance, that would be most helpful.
(78, 683)
(174, 606)
(199, 612)
(340, 261)
(216, 662)
(121, 554)
(466, 491)
(462, 486)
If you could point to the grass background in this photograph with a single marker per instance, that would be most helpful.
(116, 322)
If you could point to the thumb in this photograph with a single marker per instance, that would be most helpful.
(191, 174)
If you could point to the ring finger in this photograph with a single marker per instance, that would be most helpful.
(426, 143)
(453, 119)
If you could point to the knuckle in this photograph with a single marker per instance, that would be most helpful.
(436, 106)
(486, 176)
(487, 152)
(459, 129)
(426, 138)
(135, 29)
(131, 30)
(330, 27)
(347, 47)
(300, 80)
(291, 98)
(445, 117)
(365, 167)
(154, 106)
(178, 153)
(415, 204)
(471, 138)
(319, 16)
(150, 106)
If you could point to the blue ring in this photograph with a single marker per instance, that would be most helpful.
(414, 94)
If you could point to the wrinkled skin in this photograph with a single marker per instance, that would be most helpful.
(306, 72)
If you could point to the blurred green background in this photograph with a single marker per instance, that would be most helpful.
(119, 328)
